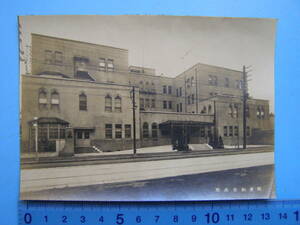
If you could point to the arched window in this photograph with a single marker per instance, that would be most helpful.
(82, 102)
(145, 130)
(54, 100)
(43, 98)
(209, 109)
(108, 103)
(154, 130)
(118, 104)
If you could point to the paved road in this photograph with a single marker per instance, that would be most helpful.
(254, 182)
(73, 176)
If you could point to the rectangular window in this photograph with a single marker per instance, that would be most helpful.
(180, 91)
(58, 57)
(48, 56)
(225, 130)
(108, 131)
(79, 135)
(110, 65)
(177, 107)
(142, 104)
(86, 135)
(230, 131)
(236, 130)
(180, 107)
(193, 98)
(118, 131)
(127, 130)
(53, 131)
(226, 82)
(169, 90)
(147, 103)
(153, 103)
(189, 100)
(62, 133)
(177, 92)
(165, 89)
(165, 105)
(102, 64)
(170, 105)
(209, 133)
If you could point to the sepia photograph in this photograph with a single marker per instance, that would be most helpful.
(146, 108)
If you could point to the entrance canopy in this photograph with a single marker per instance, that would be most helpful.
(183, 123)
(49, 120)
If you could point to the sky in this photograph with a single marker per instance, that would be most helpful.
(172, 44)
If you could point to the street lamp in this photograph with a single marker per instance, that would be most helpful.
(35, 125)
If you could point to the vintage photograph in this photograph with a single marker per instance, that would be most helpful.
(146, 108)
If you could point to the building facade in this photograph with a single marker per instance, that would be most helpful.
(88, 88)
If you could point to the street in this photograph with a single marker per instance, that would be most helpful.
(253, 182)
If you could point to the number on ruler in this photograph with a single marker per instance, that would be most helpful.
(214, 217)
(27, 218)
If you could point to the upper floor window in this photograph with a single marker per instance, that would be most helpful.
(127, 130)
(54, 100)
(58, 57)
(188, 82)
(192, 81)
(193, 98)
(169, 90)
(235, 111)
(212, 80)
(82, 102)
(230, 111)
(153, 103)
(110, 65)
(165, 105)
(102, 64)
(142, 104)
(118, 104)
(247, 111)
(165, 89)
(180, 91)
(108, 103)
(258, 112)
(180, 107)
(170, 105)
(226, 82)
(147, 103)
(43, 101)
(48, 56)
(209, 109)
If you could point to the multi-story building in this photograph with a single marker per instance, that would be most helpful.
(87, 88)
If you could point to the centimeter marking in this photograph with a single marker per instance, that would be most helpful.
(158, 213)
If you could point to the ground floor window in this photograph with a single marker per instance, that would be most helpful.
(248, 131)
(145, 130)
(83, 134)
(225, 131)
(230, 131)
(202, 131)
(108, 131)
(118, 131)
(154, 130)
(127, 130)
(236, 131)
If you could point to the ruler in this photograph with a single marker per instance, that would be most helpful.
(158, 213)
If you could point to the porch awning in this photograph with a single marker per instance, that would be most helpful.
(183, 123)
(49, 120)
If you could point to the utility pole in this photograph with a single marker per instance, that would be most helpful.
(245, 97)
(133, 116)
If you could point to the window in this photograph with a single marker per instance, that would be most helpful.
(153, 103)
(108, 103)
(127, 130)
(215, 81)
(235, 111)
(169, 90)
(248, 131)
(230, 131)
(225, 130)
(102, 64)
(177, 92)
(86, 135)
(247, 111)
(58, 57)
(141, 86)
(239, 84)
(165, 89)
(170, 104)
(189, 100)
(262, 112)
(118, 131)
(48, 57)
(142, 104)
(226, 82)
(110, 65)
(193, 98)
(202, 131)
(82, 102)
(118, 104)
(177, 107)
(147, 103)
(192, 81)
(54, 100)
(203, 109)
(236, 130)
(53, 131)
(209, 133)
(212, 80)
(43, 99)
(180, 91)
(108, 131)
(154, 130)
(230, 111)
(145, 130)
(165, 105)
(188, 82)
(180, 107)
